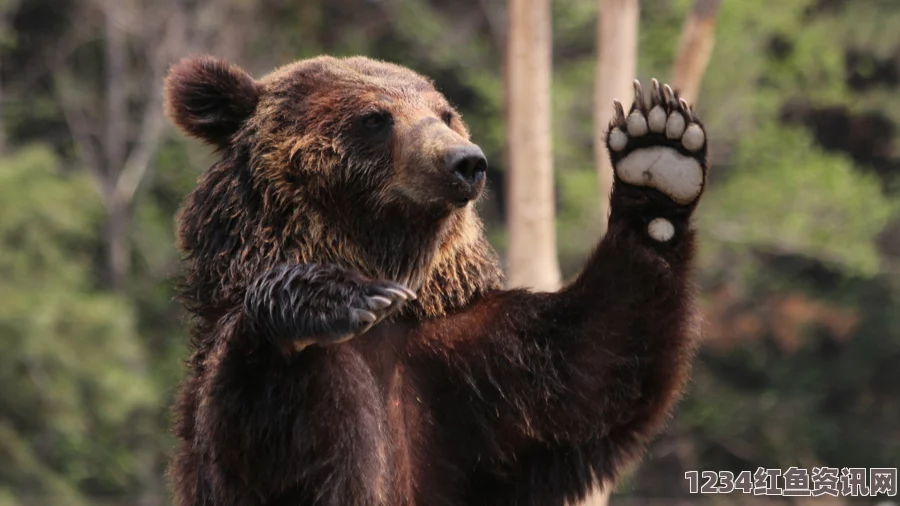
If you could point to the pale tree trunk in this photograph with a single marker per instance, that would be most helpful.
(531, 253)
(617, 29)
(695, 48)
(118, 245)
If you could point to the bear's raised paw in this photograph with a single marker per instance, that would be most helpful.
(662, 145)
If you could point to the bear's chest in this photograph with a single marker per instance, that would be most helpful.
(403, 414)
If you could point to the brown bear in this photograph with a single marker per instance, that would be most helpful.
(353, 343)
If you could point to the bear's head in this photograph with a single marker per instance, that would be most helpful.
(350, 161)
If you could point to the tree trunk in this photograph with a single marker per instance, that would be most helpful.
(118, 244)
(695, 48)
(617, 29)
(117, 226)
(531, 253)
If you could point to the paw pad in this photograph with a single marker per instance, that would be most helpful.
(657, 120)
(637, 124)
(693, 138)
(661, 229)
(617, 140)
(675, 126)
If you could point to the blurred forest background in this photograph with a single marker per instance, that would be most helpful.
(800, 228)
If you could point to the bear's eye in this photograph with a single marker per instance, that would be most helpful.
(376, 121)
(447, 117)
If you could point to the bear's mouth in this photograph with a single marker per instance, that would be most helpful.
(468, 188)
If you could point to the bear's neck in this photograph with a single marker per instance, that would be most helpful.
(458, 266)
(447, 261)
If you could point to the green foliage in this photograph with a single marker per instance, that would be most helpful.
(789, 197)
(70, 361)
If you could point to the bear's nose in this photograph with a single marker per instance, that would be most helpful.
(467, 162)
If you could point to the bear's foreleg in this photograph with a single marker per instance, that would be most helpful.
(589, 373)
(309, 428)
(285, 418)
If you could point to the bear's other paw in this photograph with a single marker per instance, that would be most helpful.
(659, 145)
(299, 305)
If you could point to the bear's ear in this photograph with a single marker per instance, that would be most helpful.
(209, 98)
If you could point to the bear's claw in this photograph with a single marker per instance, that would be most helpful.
(385, 298)
(378, 302)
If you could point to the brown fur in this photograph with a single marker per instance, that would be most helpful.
(470, 394)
